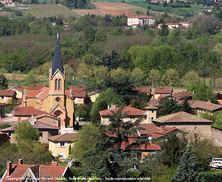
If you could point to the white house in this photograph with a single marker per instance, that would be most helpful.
(134, 21)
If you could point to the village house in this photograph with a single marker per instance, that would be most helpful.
(161, 91)
(7, 96)
(147, 90)
(185, 122)
(134, 21)
(203, 107)
(60, 145)
(27, 172)
(45, 130)
(132, 114)
(19, 92)
(79, 94)
(94, 95)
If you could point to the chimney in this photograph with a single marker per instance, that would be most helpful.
(209, 101)
(150, 139)
(19, 161)
(108, 107)
(53, 163)
(113, 106)
(9, 168)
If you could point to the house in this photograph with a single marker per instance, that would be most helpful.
(185, 122)
(94, 95)
(202, 106)
(155, 132)
(185, 24)
(27, 172)
(60, 145)
(24, 113)
(7, 96)
(79, 94)
(132, 114)
(134, 21)
(19, 92)
(147, 90)
(161, 91)
(183, 95)
(45, 130)
(54, 99)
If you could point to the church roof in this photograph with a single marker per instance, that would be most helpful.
(57, 60)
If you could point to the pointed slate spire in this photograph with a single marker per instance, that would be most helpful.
(57, 60)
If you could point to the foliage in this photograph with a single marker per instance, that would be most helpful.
(86, 140)
(3, 126)
(168, 105)
(204, 93)
(3, 82)
(173, 149)
(83, 111)
(25, 132)
(211, 176)
(204, 150)
(187, 170)
(109, 159)
(164, 30)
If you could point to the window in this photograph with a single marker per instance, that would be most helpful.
(3, 98)
(40, 134)
(195, 128)
(59, 85)
(56, 84)
(62, 144)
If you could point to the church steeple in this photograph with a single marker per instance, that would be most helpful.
(57, 60)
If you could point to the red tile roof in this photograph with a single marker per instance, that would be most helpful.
(148, 147)
(7, 93)
(183, 95)
(79, 94)
(52, 171)
(196, 104)
(143, 89)
(19, 100)
(35, 87)
(141, 16)
(67, 137)
(29, 111)
(163, 90)
(79, 88)
(152, 130)
(181, 117)
(33, 93)
(18, 87)
(154, 102)
(43, 93)
(129, 110)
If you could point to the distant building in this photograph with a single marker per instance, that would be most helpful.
(134, 21)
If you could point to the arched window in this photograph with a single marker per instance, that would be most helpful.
(56, 84)
(59, 85)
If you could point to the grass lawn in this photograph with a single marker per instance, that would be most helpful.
(49, 10)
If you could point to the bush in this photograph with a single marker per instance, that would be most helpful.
(116, 31)
(211, 176)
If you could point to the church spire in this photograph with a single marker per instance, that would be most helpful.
(57, 60)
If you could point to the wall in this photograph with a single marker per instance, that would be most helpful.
(216, 135)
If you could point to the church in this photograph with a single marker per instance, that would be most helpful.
(55, 99)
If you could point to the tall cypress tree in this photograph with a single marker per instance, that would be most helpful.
(187, 171)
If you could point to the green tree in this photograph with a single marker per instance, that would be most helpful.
(154, 77)
(109, 159)
(86, 140)
(187, 171)
(168, 105)
(25, 132)
(173, 149)
(204, 93)
(164, 30)
(185, 106)
(31, 77)
(3, 82)
(172, 77)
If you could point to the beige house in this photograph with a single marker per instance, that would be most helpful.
(7, 96)
(93, 95)
(185, 122)
(19, 92)
(161, 91)
(59, 145)
(132, 114)
(134, 21)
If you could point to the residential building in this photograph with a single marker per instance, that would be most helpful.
(132, 114)
(7, 96)
(134, 21)
(202, 106)
(161, 91)
(79, 94)
(185, 122)
(19, 92)
(60, 145)
(147, 90)
(27, 172)
(94, 95)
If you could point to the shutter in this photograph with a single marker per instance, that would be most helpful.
(59, 144)
(66, 144)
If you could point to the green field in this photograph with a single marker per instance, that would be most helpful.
(49, 10)
(179, 11)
